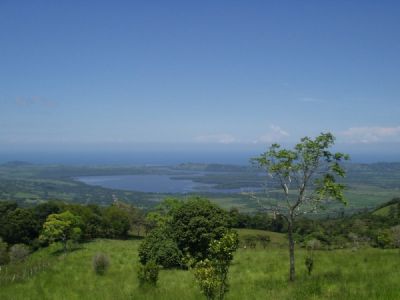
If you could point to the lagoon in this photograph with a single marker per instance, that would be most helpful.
(147, 183)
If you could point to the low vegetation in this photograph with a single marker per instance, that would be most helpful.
(368, 273)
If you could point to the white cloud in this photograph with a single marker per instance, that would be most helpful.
(216, 139)
(373, 134)
(273, 135)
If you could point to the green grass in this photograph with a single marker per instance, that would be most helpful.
(278, 240)
(255, 274)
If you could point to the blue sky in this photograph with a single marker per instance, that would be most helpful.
(198, 74)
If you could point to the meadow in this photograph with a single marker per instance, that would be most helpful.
(258, 273)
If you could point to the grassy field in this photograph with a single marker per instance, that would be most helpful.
(255, 274)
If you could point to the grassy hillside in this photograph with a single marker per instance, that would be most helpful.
(255, 274)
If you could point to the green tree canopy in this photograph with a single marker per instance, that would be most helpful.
(61, 227)
(307, 175)
(195, 224)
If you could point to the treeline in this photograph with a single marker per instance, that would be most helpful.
(259, 220)
(364, 228)
(24, 225)
(367, 228)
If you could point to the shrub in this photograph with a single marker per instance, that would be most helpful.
(313, 244)
(101, 263)
(161, 249)
(195, 224)
(264, 240)
(148, 273)
(212, 273)
(383, 239)
(207, 278)
(4, 258)
(18, 252)
(309, 262)
(250, 241)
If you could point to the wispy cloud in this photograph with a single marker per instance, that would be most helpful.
(373, 134)
(216, 139)
(273, 135)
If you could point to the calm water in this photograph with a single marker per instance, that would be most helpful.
(146, 183)
(154, 184)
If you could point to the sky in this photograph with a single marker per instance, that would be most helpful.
(205, 75)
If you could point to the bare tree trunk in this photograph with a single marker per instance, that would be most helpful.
(292, 271)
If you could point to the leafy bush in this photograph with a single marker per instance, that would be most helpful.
(101, 263)
(18, 252)
(309, 262)
(212, 273)
(206, 277)
(383, 239)
(161, 249)
(148, 273)
(195, 224)
(116, 222)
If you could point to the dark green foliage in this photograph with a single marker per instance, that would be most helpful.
(116, 222)
(160, 248)
(4, 257)
(309, 262)
(212, 273)
(195, 224)
(41, 211)
(19, 226)
(383, 238)
(148, 273)
(23, 225)
(100, 263)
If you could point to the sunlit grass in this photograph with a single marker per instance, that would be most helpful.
(255, 274)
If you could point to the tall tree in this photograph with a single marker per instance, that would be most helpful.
(306, 175)
(61, 227)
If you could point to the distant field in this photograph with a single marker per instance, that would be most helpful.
(369, 185)
(255, 274)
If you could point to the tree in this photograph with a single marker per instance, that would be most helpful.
(116, 222)
(195, 224)
(61, 227)
(160, 248)
(19, 226)
(306, 175)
